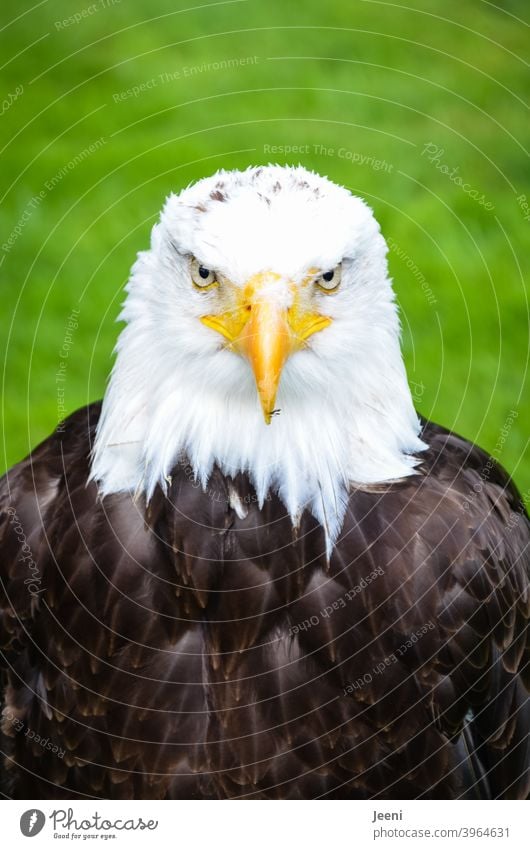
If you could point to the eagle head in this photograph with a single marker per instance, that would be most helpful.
(261, 336)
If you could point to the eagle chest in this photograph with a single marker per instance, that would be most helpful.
(212, 650)
(277, 649)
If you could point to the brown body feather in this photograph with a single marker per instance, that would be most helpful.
(202, 648)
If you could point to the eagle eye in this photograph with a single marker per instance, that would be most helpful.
(202, 277)
(330, 280)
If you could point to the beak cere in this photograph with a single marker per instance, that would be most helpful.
(266, 332)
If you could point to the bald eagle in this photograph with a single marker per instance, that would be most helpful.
(253, 571)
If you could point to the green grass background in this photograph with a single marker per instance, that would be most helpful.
(378, 79)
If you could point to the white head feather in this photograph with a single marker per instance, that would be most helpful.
(177, 394)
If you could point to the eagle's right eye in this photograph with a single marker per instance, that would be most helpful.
(203, 278)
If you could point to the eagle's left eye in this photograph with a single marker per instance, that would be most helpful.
(202, 277)
(330, 280)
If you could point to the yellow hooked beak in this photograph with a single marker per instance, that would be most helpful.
(266, 332)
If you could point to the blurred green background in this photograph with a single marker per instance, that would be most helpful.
(109, 106)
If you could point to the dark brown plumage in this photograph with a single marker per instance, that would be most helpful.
(187, 651)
